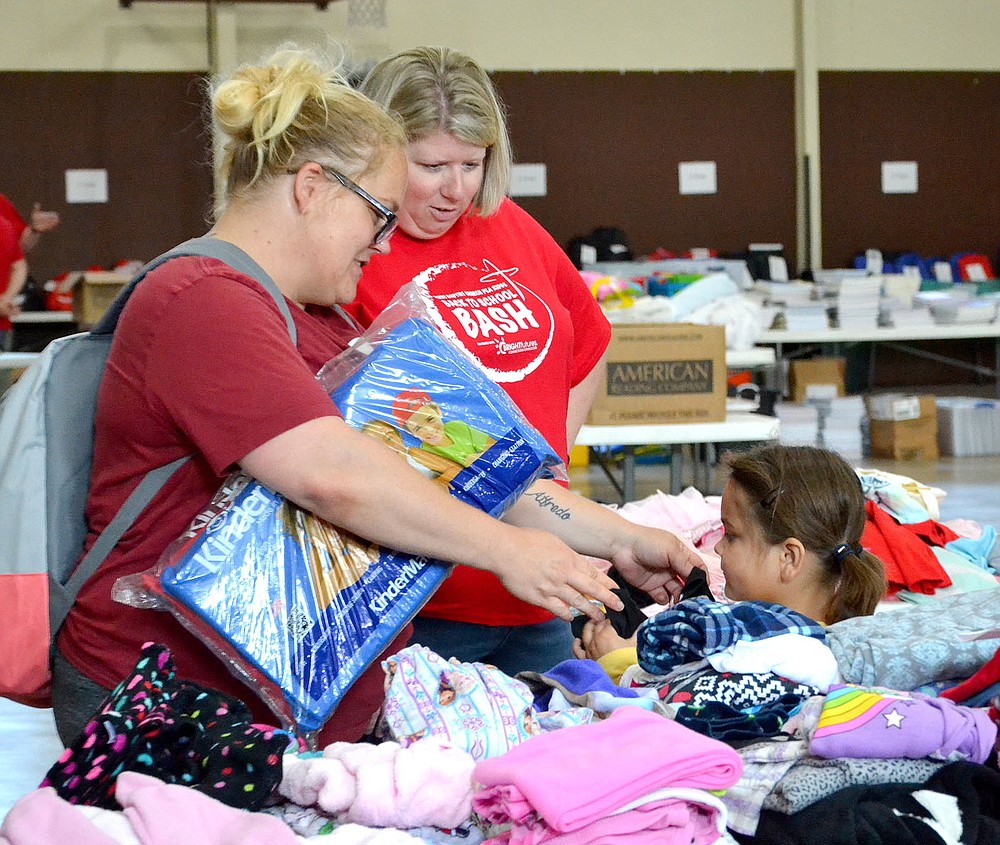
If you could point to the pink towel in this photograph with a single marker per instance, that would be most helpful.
(575, 776)
(157, 813)
(692, 818)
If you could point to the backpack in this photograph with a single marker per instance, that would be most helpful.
(46, 448)
(605, 243)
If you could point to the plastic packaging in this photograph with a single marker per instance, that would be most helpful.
(299, 608)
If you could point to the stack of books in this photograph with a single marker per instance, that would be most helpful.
(842, 427)
(805, 318)
(799, 424)
(858, 302)
(831, 423)
(901, 315)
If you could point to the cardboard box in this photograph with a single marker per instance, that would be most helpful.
(817, 371)
(907, 440)
(662, 373)
(94, 293)
(893, 406)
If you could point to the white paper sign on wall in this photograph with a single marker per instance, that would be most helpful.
(86, 186)
(527, 180)
(696, 177)
(899, 177)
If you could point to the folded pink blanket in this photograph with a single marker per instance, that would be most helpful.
(577, 775)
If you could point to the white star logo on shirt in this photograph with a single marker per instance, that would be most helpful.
(893, 719)
(494, 272)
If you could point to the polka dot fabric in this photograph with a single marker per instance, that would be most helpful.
(174, 730)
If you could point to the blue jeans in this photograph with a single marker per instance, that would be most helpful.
(512, 649)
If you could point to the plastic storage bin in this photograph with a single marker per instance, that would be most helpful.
(968, 426)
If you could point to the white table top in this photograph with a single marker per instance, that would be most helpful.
(936, 332)
(755, 356)
(16, 360)
(736, 427)
(43, 317)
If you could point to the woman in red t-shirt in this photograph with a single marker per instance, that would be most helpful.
(499, 284)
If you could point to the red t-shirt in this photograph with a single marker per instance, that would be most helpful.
(503, 288)
(9, 213)
(10, 253)
(201, 365)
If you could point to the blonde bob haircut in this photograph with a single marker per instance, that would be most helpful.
(435, 88)
(292, 108)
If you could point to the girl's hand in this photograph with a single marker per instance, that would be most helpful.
(656, 562)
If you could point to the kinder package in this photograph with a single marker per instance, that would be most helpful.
(300, 608)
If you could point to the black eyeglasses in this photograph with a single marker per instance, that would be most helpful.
(384, 232)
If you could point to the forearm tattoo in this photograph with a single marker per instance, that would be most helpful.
(546, 502)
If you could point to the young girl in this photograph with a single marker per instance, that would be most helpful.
(793, 517)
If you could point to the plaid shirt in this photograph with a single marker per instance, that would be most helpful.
(701, 626)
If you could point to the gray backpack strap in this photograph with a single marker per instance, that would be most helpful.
(347, 318)
(61, 601)
(62, 596)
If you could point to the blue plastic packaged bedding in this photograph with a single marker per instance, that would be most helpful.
(300, 608)
(434, 406)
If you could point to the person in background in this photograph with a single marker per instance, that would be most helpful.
(509, 294)
(793, 518)
(13, 275)
(26, 236)
(202, 365)
(28, 232)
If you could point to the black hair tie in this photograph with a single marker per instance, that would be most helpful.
(845, 550)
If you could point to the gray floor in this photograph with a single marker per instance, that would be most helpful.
(28, 745)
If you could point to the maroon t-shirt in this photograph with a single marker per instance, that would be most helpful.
(202, 364)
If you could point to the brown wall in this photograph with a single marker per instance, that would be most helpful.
(145, 129)
(612, 143)
(949, 123)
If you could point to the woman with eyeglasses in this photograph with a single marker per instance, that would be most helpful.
(203, 364)
(511, 296)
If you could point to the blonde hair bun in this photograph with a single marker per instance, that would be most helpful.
(294, 107)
